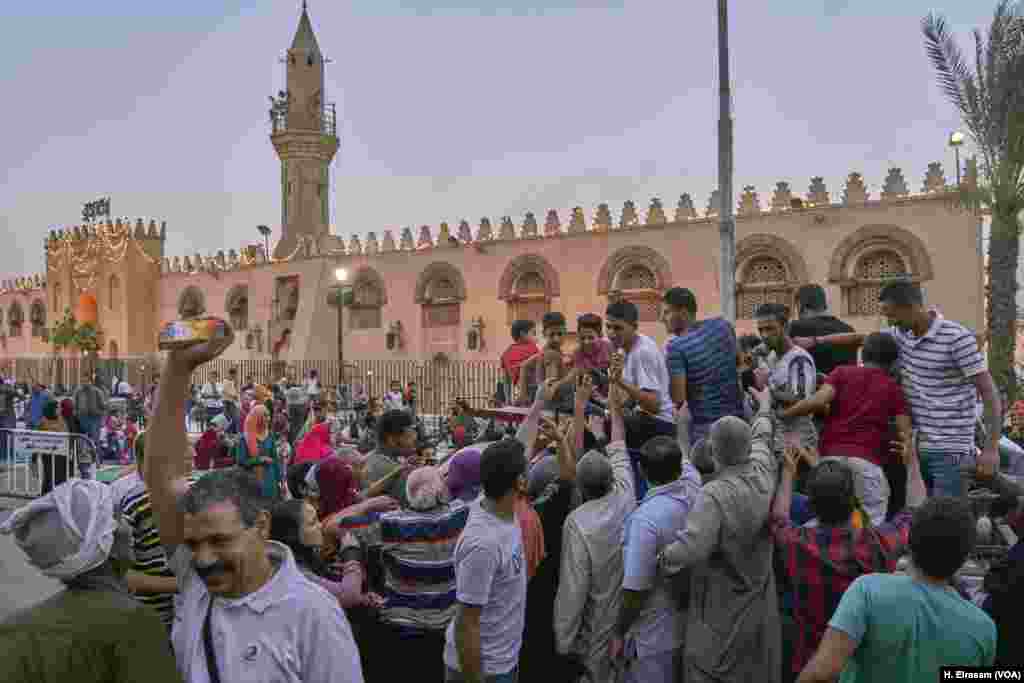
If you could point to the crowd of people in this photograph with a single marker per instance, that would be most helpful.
(796, 505)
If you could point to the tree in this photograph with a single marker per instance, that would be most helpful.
(990, 101)
(68, 334)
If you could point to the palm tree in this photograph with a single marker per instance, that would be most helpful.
(990, 100)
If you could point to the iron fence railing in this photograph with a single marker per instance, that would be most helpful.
(437, 383)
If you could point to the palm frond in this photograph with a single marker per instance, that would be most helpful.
(947, 59)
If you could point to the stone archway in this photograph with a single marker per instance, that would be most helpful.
(529, 263)
(440, 271)
(627, 257)
(900, 240)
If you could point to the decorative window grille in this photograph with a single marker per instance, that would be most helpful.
(873, 270)
(764, 281)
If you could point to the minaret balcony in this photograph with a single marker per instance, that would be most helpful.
(326, 120)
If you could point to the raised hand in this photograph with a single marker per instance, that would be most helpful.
(791, 459)
(584, 389)
(192, 357)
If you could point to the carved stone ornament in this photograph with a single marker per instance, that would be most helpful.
(782, 198)
(750, 204)
(552, 224)
(354, 245)
(603, 218)
(656, 213)
(855, 192)
(529, 230)
(817, 193)
(508, 230)
(444, 236)
(425, 241)
(934, 179)
(629, 218)
(684, 208)
(714, 204)
(485, 233)
(895, 185)
(577, 222)
(372, 247)
(407, 243)
(465, 232)
(389, 241)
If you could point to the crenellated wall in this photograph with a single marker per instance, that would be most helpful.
(435, 287)
(577, 259)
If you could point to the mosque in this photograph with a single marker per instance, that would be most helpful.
(450, 293)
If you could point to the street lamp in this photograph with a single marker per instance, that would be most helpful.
(337, 297)
(955, 140)
(265, 231)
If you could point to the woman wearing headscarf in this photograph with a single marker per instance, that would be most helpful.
(295, 524)
(215, 448)
(464, 473)
(314, 446)
(340, 496)
(259, 452)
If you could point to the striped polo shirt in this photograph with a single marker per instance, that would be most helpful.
(150, 557)
(706, 355)
(418, 550)
(937, 371)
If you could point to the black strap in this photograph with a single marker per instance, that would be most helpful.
(211, 657)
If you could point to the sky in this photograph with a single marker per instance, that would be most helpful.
(451, 110)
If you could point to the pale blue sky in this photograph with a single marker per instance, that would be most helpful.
(450, 110)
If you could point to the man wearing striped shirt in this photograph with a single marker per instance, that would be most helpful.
(150, 579)
(418, 554)
(942, 372)
(701, 359)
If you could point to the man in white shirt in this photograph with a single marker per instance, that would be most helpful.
(483, 641)
(638, 368)
(792, 378)
(245, 611)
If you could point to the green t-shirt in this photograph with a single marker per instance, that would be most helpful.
(906, 630)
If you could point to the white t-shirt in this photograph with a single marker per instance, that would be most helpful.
(645, 369)
(490, 573)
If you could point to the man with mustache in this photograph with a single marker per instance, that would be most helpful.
(245, 610)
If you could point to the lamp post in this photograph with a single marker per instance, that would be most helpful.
(337, 297)
(265, 231)
(955, 140)
(726, 226)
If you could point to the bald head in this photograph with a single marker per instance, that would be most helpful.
(594, 475)
(730, 441)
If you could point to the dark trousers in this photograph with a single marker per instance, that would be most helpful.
(398, 649)
(55, 471)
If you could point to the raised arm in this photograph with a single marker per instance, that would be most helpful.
(527, 432)
(167, 443)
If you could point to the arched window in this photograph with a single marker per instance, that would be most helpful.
(441, 290)
(528, 285)
(15, 319)
(237, 307)
(191, 303)
(639, 284)
(37, 316)
(114, 293)
(365, 313)
(56, 298)
(763, 280)
(871, 256)
(637, 274)
(872, 271)
(112, 348)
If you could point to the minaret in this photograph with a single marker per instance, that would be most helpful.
(304, 135)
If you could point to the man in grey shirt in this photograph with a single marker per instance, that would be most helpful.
(245, 612)
(483, 641)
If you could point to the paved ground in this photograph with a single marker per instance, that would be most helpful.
(20, 584)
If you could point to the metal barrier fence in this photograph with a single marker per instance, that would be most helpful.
(32, 463)
(438, 383)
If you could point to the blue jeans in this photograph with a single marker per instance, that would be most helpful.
(941, 472)
(512, 676)
(91, 426)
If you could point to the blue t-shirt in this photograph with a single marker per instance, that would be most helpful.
(706, 355)
(906, 630)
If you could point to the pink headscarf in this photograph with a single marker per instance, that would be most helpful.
(315, 446)
(337, 486)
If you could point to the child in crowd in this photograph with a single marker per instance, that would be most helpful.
(549, 363)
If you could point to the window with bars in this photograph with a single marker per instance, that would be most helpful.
(366, 310)
(764, 281)
(871, 273)
(638, 284)
(441, 315)
(636, 277)
(38, 318)
(529, 298)
(442, 288)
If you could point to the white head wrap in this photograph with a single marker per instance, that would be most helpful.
(67, 532)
